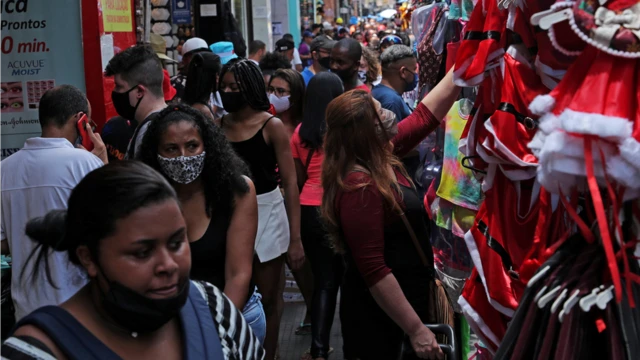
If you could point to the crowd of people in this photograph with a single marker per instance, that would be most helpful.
(177, 223)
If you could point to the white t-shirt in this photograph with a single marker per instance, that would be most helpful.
(296, 59)
(35, 180)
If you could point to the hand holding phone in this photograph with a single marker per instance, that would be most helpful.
(84, 138)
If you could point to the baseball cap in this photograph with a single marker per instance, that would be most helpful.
(224, 49)
(327, 26)
(307, 34)
(322, 42)
(194, 44)
(159, 47)
(339, 21)
(284, 45)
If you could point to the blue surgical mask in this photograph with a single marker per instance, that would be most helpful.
(409, 86)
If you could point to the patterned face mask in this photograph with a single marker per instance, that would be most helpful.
(182, 169)
(387, 127)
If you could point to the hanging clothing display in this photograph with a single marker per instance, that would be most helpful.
(552, 147)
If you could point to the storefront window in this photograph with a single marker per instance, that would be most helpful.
(239, 10)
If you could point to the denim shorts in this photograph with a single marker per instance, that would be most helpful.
(253, 313)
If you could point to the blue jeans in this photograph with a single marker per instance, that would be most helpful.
(253, 313)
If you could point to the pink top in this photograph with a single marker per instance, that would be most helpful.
(311, 194)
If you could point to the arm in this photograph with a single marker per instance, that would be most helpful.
(241, 237)
(280, 141)
(427, 116)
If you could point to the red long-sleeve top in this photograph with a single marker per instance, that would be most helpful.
(362, 212)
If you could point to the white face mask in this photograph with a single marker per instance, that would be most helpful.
(182, 169)
(281, 104)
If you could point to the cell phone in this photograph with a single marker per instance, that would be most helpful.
(83, 135)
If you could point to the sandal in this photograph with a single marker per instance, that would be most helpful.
(303, 329)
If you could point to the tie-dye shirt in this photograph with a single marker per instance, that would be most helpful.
(457, 185)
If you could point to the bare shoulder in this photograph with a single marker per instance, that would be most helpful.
(36, 333)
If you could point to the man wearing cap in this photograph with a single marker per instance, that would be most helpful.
(320, 48)
(189, 48)
(327, 29)
(286, 47)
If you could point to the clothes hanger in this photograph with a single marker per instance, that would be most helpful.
(546, 19)
(466, 165)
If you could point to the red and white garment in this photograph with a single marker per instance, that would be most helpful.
(483, 44)
(488, 323)
(512, 126)
(597, 100)
(516, 224)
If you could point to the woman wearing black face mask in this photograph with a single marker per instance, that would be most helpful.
(124, 226)
(261, 141)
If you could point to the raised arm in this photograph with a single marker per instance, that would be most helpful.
(427, 116)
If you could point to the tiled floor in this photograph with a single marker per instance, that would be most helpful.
(292, 346)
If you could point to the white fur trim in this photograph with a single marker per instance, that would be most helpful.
(548, 123)
(542, 104)
(630, 151)
(477, 261)
(608, 127)
(623, 172)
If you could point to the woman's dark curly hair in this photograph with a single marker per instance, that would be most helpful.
(223, 169)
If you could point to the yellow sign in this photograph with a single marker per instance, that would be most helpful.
(117, 16)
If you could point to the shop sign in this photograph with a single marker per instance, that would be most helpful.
(41, 48)
(117, 16)
(181, 11)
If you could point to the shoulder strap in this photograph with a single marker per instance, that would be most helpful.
(73, 339)
(266, 122)
(201, 337)
(132, 144)
(306, 165)
(414, 239)
(309, 156)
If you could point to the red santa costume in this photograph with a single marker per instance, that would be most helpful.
(589, 126)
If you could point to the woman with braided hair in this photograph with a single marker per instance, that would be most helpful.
(261, 140)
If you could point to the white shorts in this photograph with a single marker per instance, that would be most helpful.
(272, 239)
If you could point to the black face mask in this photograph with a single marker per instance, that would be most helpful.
(345, 75)
(122, 104)
(325, 62)
(138, 313)
(232, 101)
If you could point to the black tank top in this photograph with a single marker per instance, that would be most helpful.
(260, 158)
(208, 255)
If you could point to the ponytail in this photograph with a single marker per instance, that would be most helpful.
(48, 232)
